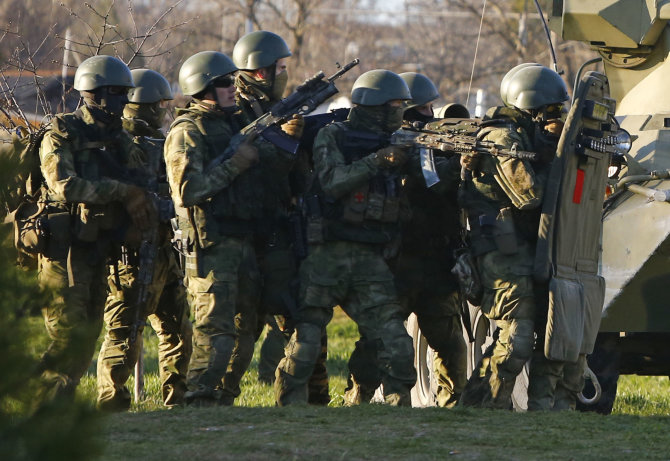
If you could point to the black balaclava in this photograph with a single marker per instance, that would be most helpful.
(384, 117)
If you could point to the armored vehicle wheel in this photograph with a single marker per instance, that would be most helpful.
(424, 393)
(482, 330)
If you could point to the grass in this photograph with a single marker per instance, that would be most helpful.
(255, 429)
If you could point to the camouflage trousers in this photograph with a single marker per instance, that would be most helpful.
(278, 271)
(278, 335)
(355, 277)
(73, 318)
(224, 297)
(509, 299)
(167, 310)
(429, 290)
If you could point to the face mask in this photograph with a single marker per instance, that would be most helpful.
(112, 100)
(281, 80)
(151, 113)
(385, 118)
(413, 115)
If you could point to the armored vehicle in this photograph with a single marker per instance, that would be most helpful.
(632, 39)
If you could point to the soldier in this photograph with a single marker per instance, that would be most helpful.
(354, 212)
(422, 270)
(502, 198)
(262, 59)
(218, 186)
(84, 161)
(166, 305)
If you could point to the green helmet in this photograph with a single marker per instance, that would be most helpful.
(504, 84)
(150, 87)
(199, 70)
(259, 49)
(423, 90)
(98, 71)
(535, 86)
(377, 87)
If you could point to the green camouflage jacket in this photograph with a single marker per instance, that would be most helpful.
(71, 159)
(498, 183)
(347, 176)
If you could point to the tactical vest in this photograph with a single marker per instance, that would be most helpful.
(372, 213)
(494, 220)
(95, 157)
(235, 209)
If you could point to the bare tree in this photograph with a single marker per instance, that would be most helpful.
(29, 70)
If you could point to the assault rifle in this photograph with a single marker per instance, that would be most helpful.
(453, 139)
(305, 99)
(443, 137)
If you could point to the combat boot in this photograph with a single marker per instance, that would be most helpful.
(202, 397)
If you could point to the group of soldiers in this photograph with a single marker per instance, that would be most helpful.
(379, 242)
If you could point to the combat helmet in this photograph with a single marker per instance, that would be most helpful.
(422, 89)
(504, 84)
(102, 70)
(201, 69)
(259, 49)
(377, 87)
(533, 87)
(150, 87)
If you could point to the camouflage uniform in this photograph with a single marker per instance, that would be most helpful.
(278, 266)
(502, 198)
(166, 306)
(348, 268)
(74, 264)
(425, 286)
(219, 211)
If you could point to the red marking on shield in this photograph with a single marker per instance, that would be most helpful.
(359, 197)
(579, 187)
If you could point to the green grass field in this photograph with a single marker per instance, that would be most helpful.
(255, 429)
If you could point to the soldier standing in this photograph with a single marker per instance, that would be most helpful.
(502, 198)
(422, 270)
(84, 158)
(262, 59)
(354, 213)
(218, 186)
(166, 305)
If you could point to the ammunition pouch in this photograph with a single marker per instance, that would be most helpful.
(504, 232)
(87, 226)
(494, 232)
(58, 227)
(377, 201)
(314, 226)
(314, 230)
(184, 244)
(95, 219)
(30, 236)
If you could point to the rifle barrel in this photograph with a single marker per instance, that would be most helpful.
(344, 70)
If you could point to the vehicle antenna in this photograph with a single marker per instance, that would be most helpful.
(546, 31)
(474, 59)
